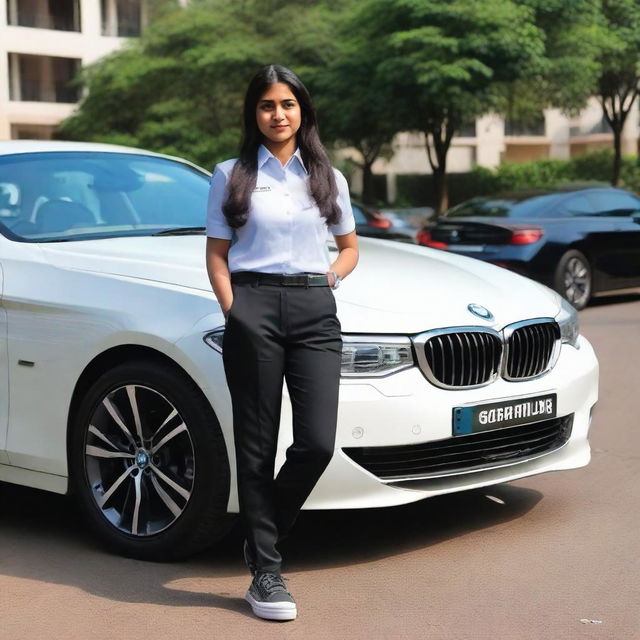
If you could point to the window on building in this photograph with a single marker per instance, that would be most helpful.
(42, 78)
(532, 126)
(467, 130)
(122, 18)
(32, 132)
(62, 15)
(601, 126)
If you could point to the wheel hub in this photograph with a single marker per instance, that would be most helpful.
(142, 458)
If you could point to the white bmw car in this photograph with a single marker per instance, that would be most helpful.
(456, 373)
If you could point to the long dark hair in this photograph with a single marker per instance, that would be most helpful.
(322, 183)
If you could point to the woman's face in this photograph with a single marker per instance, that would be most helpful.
(278, 114)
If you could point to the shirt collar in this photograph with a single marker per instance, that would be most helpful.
(264, 155)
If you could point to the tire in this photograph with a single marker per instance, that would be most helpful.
(573, 279)
(160, 498)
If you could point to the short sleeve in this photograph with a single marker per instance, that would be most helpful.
(347, 223)
(217, 225)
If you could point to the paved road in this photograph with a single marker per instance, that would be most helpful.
(528, 560)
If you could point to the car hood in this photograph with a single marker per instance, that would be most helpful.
(396, 288)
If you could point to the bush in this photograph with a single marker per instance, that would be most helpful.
(594, 167)
(630, 176)
(538, 174)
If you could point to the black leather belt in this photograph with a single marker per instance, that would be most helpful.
(280, 279)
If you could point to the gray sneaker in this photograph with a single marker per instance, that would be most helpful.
(269, 597)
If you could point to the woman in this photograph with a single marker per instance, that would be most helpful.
(269, 266)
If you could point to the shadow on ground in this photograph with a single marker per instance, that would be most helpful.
(43, 538)
(614, 298)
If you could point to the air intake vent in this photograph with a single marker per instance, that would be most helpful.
(464, 453)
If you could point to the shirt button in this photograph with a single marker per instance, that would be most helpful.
(287, 194)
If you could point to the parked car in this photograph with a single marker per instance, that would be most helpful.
(580, 242)
(375, 224)
(111, 378)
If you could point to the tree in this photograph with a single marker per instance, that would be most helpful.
(354, 110)
(179, 88)
(618, 83)
(592, 48)
(447, 63)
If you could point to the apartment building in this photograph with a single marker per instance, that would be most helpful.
(43, 43)
(492, 140)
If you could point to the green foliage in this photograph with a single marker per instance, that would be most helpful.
(539, 174)
(569, 69)
(593, 167)
(179, 88)
(441, 64)
(619, 79)
(445, 60)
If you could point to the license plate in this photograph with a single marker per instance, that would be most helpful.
(461, 248)
(498, 415)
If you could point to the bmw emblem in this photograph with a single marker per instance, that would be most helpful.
(480, 311)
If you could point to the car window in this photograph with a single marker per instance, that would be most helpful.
(9, 200)
(506, 207)
(359, 216)
(75, 195)
(615, 203)
(579, 205)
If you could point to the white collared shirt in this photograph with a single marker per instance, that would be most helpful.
(284, 232)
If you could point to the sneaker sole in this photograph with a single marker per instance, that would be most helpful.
(272, 610)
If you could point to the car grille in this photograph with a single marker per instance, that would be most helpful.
(470, 356)
(529, 350)
(464, 359)
(464, 453)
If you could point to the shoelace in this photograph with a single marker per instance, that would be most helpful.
(271, 582)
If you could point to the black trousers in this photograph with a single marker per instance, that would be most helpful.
(277, 333)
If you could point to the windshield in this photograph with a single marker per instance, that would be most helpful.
(58, 196)
(504, 207)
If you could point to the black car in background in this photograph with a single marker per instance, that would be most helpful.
(580, 242)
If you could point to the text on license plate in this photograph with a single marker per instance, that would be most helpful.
(497, 415)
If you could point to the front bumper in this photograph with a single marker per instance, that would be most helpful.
(405, 409)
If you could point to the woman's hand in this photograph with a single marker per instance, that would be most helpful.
(218, 270)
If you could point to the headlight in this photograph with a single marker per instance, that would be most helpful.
(362, 356)
(567, 320)
(367, 356)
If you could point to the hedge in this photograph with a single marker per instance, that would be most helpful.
(417, 189)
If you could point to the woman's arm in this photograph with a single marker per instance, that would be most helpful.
(347, 258)
(218, 270)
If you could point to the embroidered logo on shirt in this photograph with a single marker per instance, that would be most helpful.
(261, 189)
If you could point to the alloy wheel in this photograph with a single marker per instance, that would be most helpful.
(139, 460)
(577, 282)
